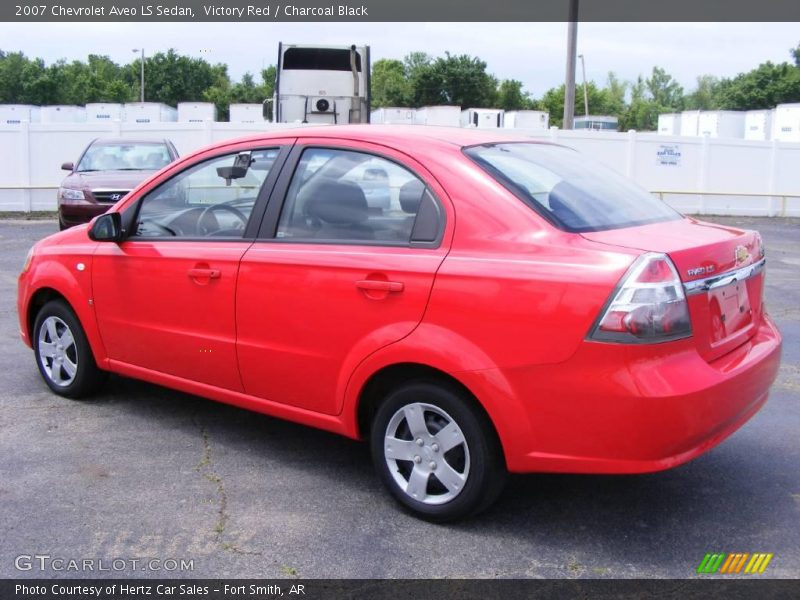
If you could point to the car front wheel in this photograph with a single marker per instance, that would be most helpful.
(436, 451)
(63, 354)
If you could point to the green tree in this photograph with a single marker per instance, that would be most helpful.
(614, 92)
(553, 102)
(642, 112)
(172, 78)
(463, 81)
(704, 96)
(510, 96)
(763, 87)
(664, 90)
(390, 84)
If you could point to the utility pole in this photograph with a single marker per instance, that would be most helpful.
(569, 80)
(141, 85)
(585, 93)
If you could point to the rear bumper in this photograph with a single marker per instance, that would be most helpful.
(614, 408)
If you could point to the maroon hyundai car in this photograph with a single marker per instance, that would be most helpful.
(107, 170)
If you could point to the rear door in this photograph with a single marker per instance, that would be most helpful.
(341, 269)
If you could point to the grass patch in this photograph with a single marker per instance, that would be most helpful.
(36, 215)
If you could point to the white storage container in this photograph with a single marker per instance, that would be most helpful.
(690, 123)
(758, 125)
(786, 121)
(63, 114)
(97, 112)
(482, 118)
(11, 114)
(449, 116)
(721, 124)
(669, 124)
(246, 113)
(392, 114)
(149, 112)
(526, 119)
(196, 112)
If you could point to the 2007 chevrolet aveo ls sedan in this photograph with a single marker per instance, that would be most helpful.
(500, 305)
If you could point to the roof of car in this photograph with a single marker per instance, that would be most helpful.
(128, 141)
(401, 135)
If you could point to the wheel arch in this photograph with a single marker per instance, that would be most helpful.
(71, 296)
(387, 378)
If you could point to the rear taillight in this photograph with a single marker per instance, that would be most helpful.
(648, 305)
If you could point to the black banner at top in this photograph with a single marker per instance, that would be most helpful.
(398, 10)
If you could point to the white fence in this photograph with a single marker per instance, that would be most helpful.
(695, 175)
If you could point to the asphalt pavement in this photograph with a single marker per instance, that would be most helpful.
(142, 473)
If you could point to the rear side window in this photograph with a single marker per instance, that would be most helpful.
(571, 191)
(344, 196)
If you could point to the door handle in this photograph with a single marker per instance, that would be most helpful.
(204, 273)
(380, 286)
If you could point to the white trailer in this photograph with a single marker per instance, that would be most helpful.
(11, 114)
(322, 84)
(758, 125)
(786, 127)
(597, 123)
(721, 124)
(526, 119)
(149, 112)
(690, 123)
(482, 118)
(98, 112)
(246, 113)
(448, 116)
(393, 114)
(196, 112)
(63, 114)
(669, 124)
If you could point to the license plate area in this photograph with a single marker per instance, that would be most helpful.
(730, 310)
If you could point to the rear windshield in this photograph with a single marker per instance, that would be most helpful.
(569, 190)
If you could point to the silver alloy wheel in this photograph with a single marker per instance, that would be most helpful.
(427, 453)
(58, 353)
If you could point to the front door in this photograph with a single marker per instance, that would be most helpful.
(164, 297)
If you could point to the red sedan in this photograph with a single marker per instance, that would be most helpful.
(471, 302)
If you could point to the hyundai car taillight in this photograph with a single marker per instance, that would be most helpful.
(647, 306)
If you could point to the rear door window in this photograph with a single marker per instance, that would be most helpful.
(343, 196)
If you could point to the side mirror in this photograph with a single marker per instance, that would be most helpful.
(106, 228)
(68, 166)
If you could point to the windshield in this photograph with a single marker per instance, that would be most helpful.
(125, 157)
(568, 189)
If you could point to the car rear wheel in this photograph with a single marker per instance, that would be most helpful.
(63, 354)
(436, 452)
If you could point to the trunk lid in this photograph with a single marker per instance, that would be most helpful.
(726, 313)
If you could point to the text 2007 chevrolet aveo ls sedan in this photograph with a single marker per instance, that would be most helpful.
(500, 305)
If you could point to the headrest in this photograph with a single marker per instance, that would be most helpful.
(339, 203)
(411, 195)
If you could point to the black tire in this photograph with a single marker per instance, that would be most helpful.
(69, 369)
(477, 460)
